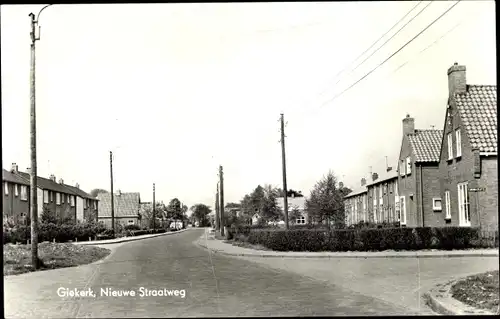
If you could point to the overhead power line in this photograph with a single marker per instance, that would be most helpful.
(392, 55)
(371, 46)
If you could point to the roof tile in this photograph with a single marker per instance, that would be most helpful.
(126, 204)
(426, 145)
(478, 112)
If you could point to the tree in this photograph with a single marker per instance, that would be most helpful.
(290, 192)
(200, 214)
(270, 211)
(146, 213)
(293, 214)
(326, 202)
(97, 191)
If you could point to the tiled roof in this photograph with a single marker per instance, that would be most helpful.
(426, 145)
(478, 112)
(47, 184)
(13, 178)
(126, 204)
(79, 192)
(384, 176)
(357, 191)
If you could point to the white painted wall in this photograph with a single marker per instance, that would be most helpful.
(79, 208)
(39, 196)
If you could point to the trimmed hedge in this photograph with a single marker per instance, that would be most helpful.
(379, 239)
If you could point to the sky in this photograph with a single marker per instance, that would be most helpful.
(175, 90)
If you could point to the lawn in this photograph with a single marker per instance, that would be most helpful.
(480, 291)
(17, 258)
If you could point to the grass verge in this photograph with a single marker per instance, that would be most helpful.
(17, 258)
(479, 291)
(245, 244)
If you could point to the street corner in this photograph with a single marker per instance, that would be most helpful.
(441, 301)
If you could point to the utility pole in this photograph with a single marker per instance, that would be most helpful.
(217, 221)
(285, 191)
(221, 205)
(154, 209)
(33, 173)
(112, 193)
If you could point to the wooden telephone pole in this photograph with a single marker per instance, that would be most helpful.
(154, 209)
(221, 204)
(285, 191)
(112, 193)
(217, 220)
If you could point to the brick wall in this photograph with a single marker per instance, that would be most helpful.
(13, 206)
(488, 200)
(431, 189)
(407, 185)
(120, 220)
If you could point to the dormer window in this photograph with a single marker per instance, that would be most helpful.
(458, 140)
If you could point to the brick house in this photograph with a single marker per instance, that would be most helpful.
(86, 205)
(127, 207)
(356, 204)
(418, 175)
(382, 196)
(468, 155)
(16, 193)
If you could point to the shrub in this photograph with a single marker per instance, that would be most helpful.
(132, 227)
(368, 239)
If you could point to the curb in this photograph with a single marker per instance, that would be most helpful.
(221, 252)
(127, 239)
(439, 299)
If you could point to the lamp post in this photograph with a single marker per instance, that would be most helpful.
(33, 181)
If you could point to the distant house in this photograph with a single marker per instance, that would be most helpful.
(382, 197)
(126, 208)
(356, 204)
(468, 158)
(418, 180)
(298, 203)
(86, 204)
(16, 192)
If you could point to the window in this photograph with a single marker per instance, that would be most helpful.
(408, 165)
(458, 140)
(46, 196)
(95, 205)
(402, 205)
(72, 201)
(130, 221)
(58, 198)
(390, 188)
(463, 205)
(402, 168)
(450, 146)
(301, 220)
(24, 192)
(436, 204)
(447, 202)
(6, 188)
(16, 190)
(381, 195)
(86, 203)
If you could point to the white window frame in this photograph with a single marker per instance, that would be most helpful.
(435, 207)
(458, 139)
(45, 196)
(450, 146)
(381, 195)
(24, 192)
(301, 220)
(6, 188)
(72, 200)
(402, 171)
(402, 209)
(447, 203)
(16, 190)
(95, 204)
(463, 205)
(408, 165)
(130, 222)
(58, 198)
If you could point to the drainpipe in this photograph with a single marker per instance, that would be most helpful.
(422, 197)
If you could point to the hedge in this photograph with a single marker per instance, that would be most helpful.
(379, 239)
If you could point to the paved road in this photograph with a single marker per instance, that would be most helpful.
(215, 286)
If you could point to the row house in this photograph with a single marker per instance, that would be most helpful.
(418, 175)
(87, 206)
(356, 204)
(16, 192)
(127, 208)
(65, 201)
(468, 162)
(382, 197)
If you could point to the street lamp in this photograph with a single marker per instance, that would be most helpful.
(33, 190)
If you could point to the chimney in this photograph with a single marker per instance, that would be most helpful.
(77, 185)
(374, 176)
(14, 168)
(408, 125)
(28, 170)
(363, 181)
(389, 168)
(456, 79)
(61, 181)
(52, 177)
